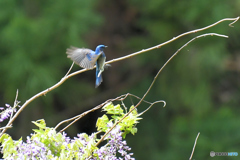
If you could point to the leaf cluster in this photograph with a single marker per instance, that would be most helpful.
(47, 143)
(127, 125)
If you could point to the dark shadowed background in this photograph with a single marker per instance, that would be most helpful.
(200, 85)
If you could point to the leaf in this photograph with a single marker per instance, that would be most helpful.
(40, 123)
(3, 137)
(111, 109)
(102, 123)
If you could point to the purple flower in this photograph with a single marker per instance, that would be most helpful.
(49, 144)
(67, 139)
(115, 144)
(5, 114)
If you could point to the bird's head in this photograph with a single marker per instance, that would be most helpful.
(100, 47)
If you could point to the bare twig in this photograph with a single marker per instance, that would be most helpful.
(16, 101)
(5, 127)
(203, 35)
(120, 98)
(164, 104)
(69, 70)
(236, 19)
(194, 146)
(14, 104)
(33, 98)
(74, 119)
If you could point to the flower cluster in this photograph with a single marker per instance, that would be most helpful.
(46, 144)
(6, 112)
(33, 149)
(115, 144)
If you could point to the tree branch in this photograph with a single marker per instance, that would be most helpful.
(203, 35)
(194, 146)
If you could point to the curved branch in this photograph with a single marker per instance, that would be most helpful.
(203, 35)
(76, 118)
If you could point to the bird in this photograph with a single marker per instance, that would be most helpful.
(87, 58)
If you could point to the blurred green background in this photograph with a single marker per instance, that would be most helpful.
(200, 85)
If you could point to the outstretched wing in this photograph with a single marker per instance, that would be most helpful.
(82, 57)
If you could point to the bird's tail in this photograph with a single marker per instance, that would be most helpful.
(98, 79)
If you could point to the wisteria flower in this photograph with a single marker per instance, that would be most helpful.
(5, 114)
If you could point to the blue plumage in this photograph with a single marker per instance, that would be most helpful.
(100, 63)
(87, 58)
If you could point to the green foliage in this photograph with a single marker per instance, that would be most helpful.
(46, 143)
(7, 145)
(128, 124)
(53, 141)
(102, 123)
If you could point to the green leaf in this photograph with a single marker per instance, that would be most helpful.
(134, 130)
(38, 131)
(134, 112)
(102, 123)
(111, 109)
(40, 123)
(3, 137)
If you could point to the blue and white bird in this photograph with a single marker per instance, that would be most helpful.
(87, 58)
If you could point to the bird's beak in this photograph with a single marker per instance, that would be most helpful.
(106, 46)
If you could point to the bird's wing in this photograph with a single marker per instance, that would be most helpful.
(81, 56)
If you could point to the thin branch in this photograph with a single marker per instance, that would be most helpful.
(16, 101)
(164, 104)
(120, 98)
(6, 127)
(14, 104)
(140, 98)
(74, 119)
(194, 146)
(33, 98)
(111, 61)
(167, 42)
(203, 35)
(69, 70)
(236, 19)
